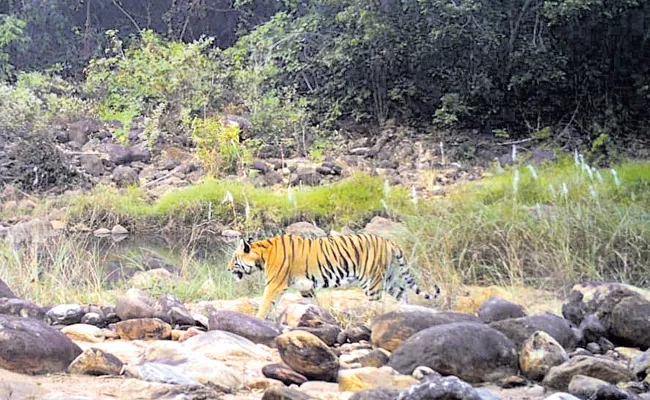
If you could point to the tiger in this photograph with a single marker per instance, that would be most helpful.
(306, 264)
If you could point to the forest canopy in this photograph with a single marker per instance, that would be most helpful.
(300, 68)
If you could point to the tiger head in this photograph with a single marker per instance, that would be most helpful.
(245, 260)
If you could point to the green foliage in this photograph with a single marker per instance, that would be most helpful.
(452, 108)
(11, 31)
(156, 78)
(218, 145)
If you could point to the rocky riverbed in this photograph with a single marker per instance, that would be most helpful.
(343, 348)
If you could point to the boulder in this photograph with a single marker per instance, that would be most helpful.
(610, 371)
(376, 394)
(96, 362)
(447, 388)
(219, 345)
(307, 315)
(65, 314)
(585, 386)
(255, 329)
(5, 291)
(376, 358)
(623, 310)
(84, 333)
(304, 229)
(520, 329)
(29, 346)
(78, 131)
(284, 374)
(135, 304)
(284, 393)
(124, 176)
(474, 352)
(391, 329)
(539, 354)
(308, 355)
(144, 329)
(640, 365)
(92, 164)
(21, 308)
(357, 333)
(172, 311)
(384, 227)
(496, 309)
(307, 176)
(354, 380)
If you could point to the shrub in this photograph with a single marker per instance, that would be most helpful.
(218, 145)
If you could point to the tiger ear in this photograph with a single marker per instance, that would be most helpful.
(247, 246)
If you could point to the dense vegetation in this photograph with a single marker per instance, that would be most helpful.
(569, 70)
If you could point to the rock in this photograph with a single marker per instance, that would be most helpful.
(640, 365)
(327, 333)
(594, 348)
(124, 176)
(447, 388)
(261, 166)
(221, 345)
(605, 345)
(357, 333)
(255, 329)
(119, 230)
(585, 386)
(376, 358)
(308, 355)
(84, 333)
(139, 153)
(92, 164)
(384, 227)
(96, 362)
(376, 394)
(65, 314)
(422, 372)
(172, 311)
(538, 354)
(308, 176)
(474, 352)
(150, 278)
(391, 329)
(540, 156)
(520, 329)
(101, 232)
(611, 392)
(282, 393)
(307, 315)
(304, 229)
(78, 131)
(591, 328)
(5, 291)
(94, 319)
(628, 353)
(560, 376)
(354, 380)
(134, 304)
(21, 308)
(284, 374)
(623, 310)
(144, 329)
(29, 346)
(561, 396)
(496, 309)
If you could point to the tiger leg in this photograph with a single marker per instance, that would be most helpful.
(271, 293)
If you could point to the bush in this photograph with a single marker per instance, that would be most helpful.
(218, 146)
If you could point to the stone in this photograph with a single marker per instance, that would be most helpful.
(610, 371)
(119, 230)
(94, 319)
(96, 362)
(422, 372)
(92, 164)
(284, 374)
(255, 329)
(357, 333)
(640, 365)
(5, 291)
(101, 232)
(594, 348)
(541, 156)
(305, 315)
(538, 354)
(308, 176)
(520, 329)
(135, 303)
(124, 176)
(150, 278)
(65, 314)
(321, 390)
(391, 329)
(585, 386)
(308, 355)
(376, 358)
(474, 352)
(386, 228)
(497, 309)
(84, 333)
(450, 387)
(376, 394)
(354, 380)
(592, 328)
(561, 396)
(327, 333)
(21, 308)
(78, 131)
(144, 329)
(172, 311)
(29, 346)
(284, 393)
(304, 229)
(624, 310)
(221, 345)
